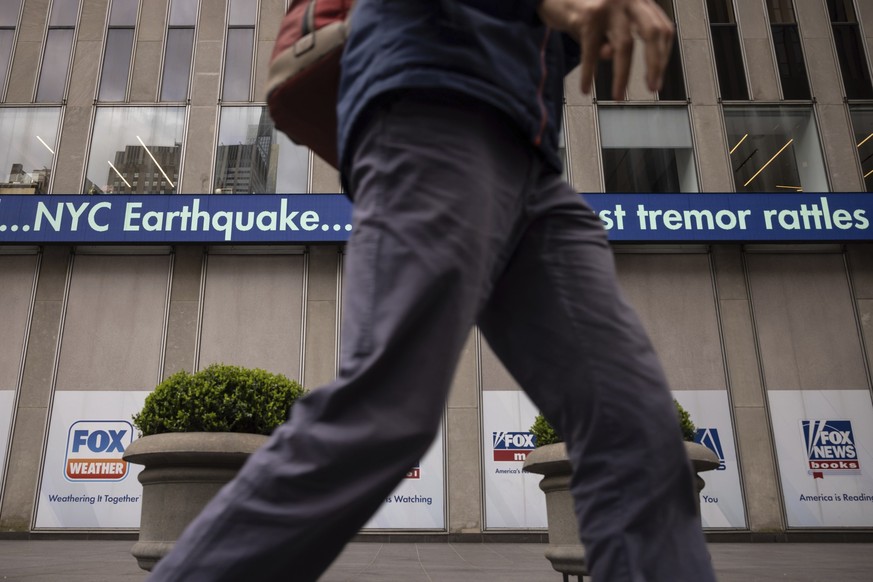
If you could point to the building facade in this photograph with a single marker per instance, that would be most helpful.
(767, 341)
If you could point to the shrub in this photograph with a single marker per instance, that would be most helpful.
(688, 428)
(220, 398)
(545, 434)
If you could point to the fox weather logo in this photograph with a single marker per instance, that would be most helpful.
(512, 446)
(830, 448)
(94, 449)
(708, 437)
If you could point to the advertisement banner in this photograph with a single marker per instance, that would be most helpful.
(418, 502)
(824, 447)
(7, 401)
(513, 499)
(311, 218)
(85, 482)
(721, 501)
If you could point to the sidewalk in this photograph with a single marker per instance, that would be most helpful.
(110, 561)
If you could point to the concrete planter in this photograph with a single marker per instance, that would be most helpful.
(565, 551)
(182, 472)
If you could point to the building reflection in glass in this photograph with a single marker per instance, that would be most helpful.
(27, 150)
(862, 122)
(136, 150)
(133, 170)
(253, 158)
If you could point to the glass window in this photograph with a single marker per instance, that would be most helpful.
(254, 158)
(119, 49)
(647, 149)
(27, 150)
(9, 10)
(179, 50)
(177, 64)
(9, 13)
(862, 121)
(64, 13)
(123, 12)
(673, 88)
(128, 141)
(239, 50)
(7, 36)
(58, 51)
(238, 64)
(116, 64)
(603, 81)
(850, 49)
(243, 12)
(775, 149)
(789, 53)
(55, 64)
(183, 12)
(726, 46)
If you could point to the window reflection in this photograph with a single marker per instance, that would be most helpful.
(242, 12)
(27, 150)
(135, 150)
(788, 49)
(239, 50)
(58, 51)
(673, 86)
(238, 64)
(55, 63)
(862, 121)
(7, 35)
(9, 10)
(64, 13)
(183, 12)
(253, 158)
(647, 149)
(775, 149)
(178, 50)
(119, 48)
(850, 49)
(726, 47)
(116, 64)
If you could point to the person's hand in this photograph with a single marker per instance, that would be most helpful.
(605, 29)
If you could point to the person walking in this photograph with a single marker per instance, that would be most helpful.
(448, 121)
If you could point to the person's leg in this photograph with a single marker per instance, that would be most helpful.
(437, 189)
(558, 321)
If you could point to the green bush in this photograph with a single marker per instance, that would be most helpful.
(220, 398)
(545, 434)
(688, 428)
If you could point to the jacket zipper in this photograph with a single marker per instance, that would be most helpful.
(544, 114)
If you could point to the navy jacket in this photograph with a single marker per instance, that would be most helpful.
(494, 50)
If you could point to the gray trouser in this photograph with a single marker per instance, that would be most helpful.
(457, 222)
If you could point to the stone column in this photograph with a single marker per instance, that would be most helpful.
(860, 258)
(823, 67)
(755, 447)
(203, 112)
(25, 447)
(322, 295)
(464, 445)
(184, 315)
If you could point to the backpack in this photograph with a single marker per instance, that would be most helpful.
(304, 73)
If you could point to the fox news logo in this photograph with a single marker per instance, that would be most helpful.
(414, 473)
(708, 437)
(94, 449)
(830, 448)
(512, 446)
